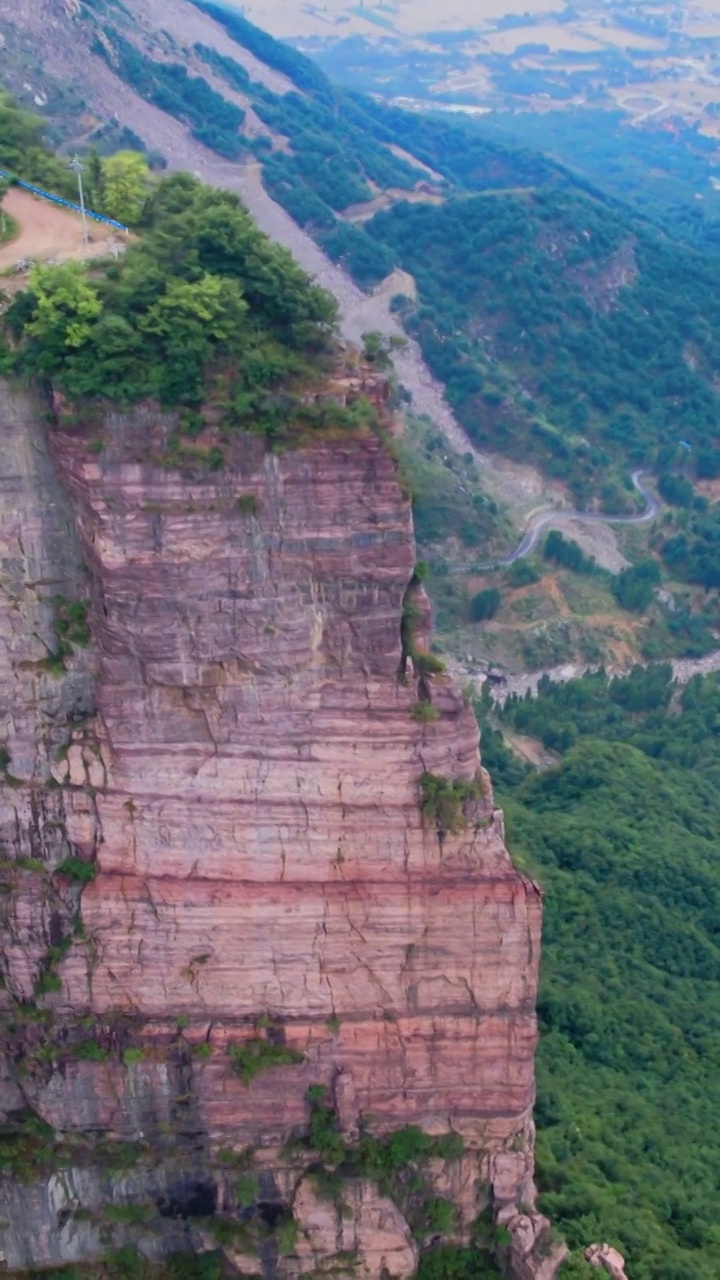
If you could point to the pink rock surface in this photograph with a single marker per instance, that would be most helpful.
(250, 790)
(366, 1237)
(608, 1259)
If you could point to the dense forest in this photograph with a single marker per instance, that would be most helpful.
(665, 177)
(663, 172)
(334, 157)
(690, 548)
(341, 146)
(563, 331)
(623, 834)
(567, 330)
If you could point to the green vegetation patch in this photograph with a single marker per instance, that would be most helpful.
(337, 150)
(204, 304)
(624, 836)
(24, 154)
(567, 552)
(72, 630)
(253, 1056)
(634, 588)
(453, 1262)
(444, 802)
(396, 1163)
(690, 546)
(453, 516)
(485, 604)
(212, 119)
(636, 166)
(373, 1157)
(129, 1263)
(544, 355)
(71, 622)
(26, 1145)
(77, 869)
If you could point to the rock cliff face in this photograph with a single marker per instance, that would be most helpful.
(237, 759)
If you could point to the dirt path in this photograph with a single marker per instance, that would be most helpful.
(49, 232)
(538, 522)
(683, 669)
(397, 282)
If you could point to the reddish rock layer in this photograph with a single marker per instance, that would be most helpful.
(260, 838)
(249, 789)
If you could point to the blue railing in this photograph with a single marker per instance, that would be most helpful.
(67, 204)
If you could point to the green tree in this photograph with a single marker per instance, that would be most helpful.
(192, 319)
(677, 490)
(94, 178)
(623, 836)
(522, 573)
(375, 349)
(125, 182)
(485, 604)
(65, 307)
(201, 291)
(634, 588)
(199, 313)
(567, 552)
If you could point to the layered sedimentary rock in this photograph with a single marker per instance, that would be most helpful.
(239, 754)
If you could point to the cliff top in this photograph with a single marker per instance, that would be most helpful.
(201, 307)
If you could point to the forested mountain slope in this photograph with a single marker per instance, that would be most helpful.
(70, 56)
(565, 330)
(624, 835)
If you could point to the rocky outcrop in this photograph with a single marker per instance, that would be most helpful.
(608, 1259)
(367, 1227)
(237, 758)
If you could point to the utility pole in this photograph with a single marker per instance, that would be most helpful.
(77, 167)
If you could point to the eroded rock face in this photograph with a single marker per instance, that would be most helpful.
(608, 1259)
(249, 789)
(368, 1232)
(262, 844)
(40, 564)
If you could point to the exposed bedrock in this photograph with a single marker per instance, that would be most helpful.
(236, 754)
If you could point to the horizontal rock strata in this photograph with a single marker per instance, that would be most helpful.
(261, 843)
(248, 786)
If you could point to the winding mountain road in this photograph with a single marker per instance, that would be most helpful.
(540, 521)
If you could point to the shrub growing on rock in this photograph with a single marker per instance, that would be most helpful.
(256, 1055)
